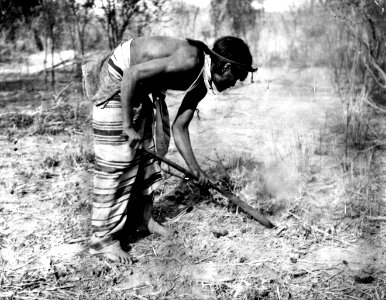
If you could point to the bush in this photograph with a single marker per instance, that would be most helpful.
(20, 121)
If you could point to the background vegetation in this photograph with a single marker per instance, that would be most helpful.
(303, 144)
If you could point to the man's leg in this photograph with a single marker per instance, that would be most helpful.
(116, 167)
(149, 222)
(112, 190)
(122, 209)
(150, 178)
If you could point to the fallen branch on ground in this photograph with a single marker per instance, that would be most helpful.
(379, 218)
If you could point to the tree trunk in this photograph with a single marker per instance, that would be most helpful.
(38, 42)
(52, 58)
(45, 58)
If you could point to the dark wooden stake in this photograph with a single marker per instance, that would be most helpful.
(233, 198)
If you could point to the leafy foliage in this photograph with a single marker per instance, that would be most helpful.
(13, 11)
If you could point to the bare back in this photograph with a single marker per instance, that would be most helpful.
(184, 60)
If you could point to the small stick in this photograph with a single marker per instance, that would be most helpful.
(205, 258)
(132, 287)
(78, 240)
(26, 264)
(334, 275)
(182, 213)
(60, 287)
(379, 218)
(320, 231)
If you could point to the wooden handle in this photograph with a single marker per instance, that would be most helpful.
(233, 198)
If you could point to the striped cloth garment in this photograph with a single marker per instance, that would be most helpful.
(120, 171)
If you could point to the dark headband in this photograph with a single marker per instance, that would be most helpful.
(247, 67)
(206, 49)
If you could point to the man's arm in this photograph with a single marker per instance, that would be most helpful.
(180, 130)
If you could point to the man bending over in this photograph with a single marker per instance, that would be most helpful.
(120, 85)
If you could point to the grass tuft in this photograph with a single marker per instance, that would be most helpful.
(17, 120)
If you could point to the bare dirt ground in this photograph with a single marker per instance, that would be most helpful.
(279, 143)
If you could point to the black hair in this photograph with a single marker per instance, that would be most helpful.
(235, 49)
(229, 49)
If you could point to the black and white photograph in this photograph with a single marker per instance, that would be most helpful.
(192, 149)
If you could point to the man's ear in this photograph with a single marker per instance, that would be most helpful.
(226, 67)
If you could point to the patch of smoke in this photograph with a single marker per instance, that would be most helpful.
(268, 186)
(281, 180)
(272, 186)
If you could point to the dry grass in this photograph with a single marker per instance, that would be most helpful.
(63, 112)
(318, 197)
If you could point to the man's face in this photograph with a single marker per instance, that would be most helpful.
(225, 79)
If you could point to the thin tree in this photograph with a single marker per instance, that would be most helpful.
(364, 25)
(78, 18)
(185, 17)
(241, 15)
(120, 14)
(51, 19)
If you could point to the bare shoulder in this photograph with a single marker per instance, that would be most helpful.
(156, 47)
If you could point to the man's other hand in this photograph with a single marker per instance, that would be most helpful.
(133, 138)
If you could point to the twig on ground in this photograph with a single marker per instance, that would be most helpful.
(255, 262)
(313, 227)
(60, 287)
(311, 262)
(26, 297)
(334, 275)
(337, 295)
(136, 296)
(205, 258)
(110, 266)
(78, 240)
(379, 218)
(26, 264)
(181, 214)
(132, 287)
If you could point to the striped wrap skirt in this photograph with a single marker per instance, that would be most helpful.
(120, 172)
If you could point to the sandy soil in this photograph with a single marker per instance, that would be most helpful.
(287, 132)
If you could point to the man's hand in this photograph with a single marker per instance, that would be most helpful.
(133, 137)
(203, 179)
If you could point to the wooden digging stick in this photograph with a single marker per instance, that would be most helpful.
(233, 198)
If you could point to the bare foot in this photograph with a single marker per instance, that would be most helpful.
(118, 255)
(155, 227)
(149, 222)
